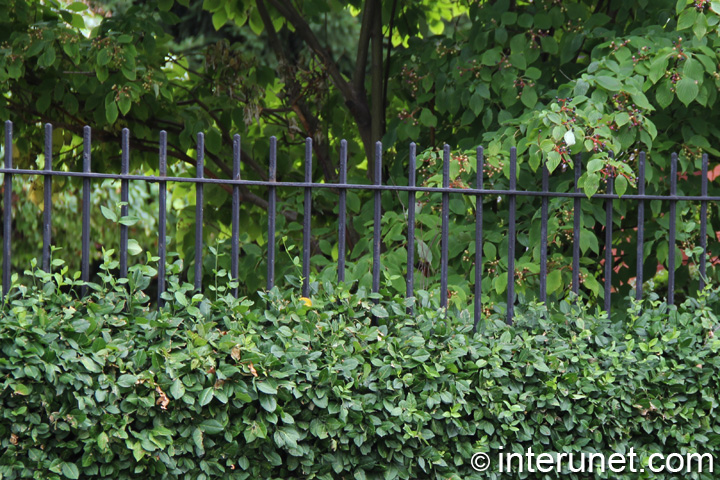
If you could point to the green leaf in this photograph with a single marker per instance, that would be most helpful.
(206, 396)
(165, 5)
(102, 441)
(70, 470)
(111, 112)
(268, 402)
(658, 68)
(219, 19)
(476, 103)
(554, 281)
(608, 83)
(700, 26)
(500, 283)
(211, 426)
(686, 90)
(134, 247)
(592, 182)
(127, 380)
(266, 387)
(77, 7)
(641, 101)
(687, 19)
(622, 118)
(427, 118)
(379, 311)
(90, 365)
(529, 97)
(109, 214)
(664, 95)
(177, 389)
(621, 185)
(553, 160)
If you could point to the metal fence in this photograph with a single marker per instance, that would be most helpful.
(342, 187)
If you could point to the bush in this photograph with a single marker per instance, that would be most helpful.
(107, 387)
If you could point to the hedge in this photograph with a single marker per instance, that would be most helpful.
(339, 386)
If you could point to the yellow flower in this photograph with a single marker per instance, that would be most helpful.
(306, 301)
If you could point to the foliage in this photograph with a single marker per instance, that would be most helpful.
(290, 388)
(552, 79)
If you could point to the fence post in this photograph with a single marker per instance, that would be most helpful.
(444, 229)
(640, 228)
(410, 278)
(577, 213)
(162, 213)
(608, 241)
(47, 200)
(124, 198)
(272, 199)
(511, 238)
(544, 235)
(235, 240)
(199, 201)
(671, 245)
(703, 220)
(342, 207)
(479, 183)
(85, 260)
(307, 214)
(377, 239)
(7, 210)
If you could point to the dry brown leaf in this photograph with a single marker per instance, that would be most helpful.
(14, 439)
(252, 369)
(235, 353)
(163, 399)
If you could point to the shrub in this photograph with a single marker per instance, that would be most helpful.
(342, 388)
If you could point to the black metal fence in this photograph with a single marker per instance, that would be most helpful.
(342, 187)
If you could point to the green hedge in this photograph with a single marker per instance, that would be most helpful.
(108, 387)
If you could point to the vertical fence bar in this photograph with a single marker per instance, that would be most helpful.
(377, 220)
(272, 200)
(577, 213)
(608, 242)
(544, 235)
(445, 229)
(7, 210)
(640, 229)
(235, 240)
(85, 259)
(511, 238)
(703, 220)
(124, 198)
(307, 217)
(478, 237)
(162, 214)
(671, 245)
(410, 279)
(199, 201)
(47, 203)
(342, 211)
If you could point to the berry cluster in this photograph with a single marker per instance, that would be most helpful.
(535, 36)
(621, 102)
(519, 83)
(598, 144)
(618, 46)
(677, 47)
(474, 69)
(490, 170)
(701, 4)
(642, 54)
(411, 79)
(406, 115)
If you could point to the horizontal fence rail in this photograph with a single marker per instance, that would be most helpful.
(479, 192)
